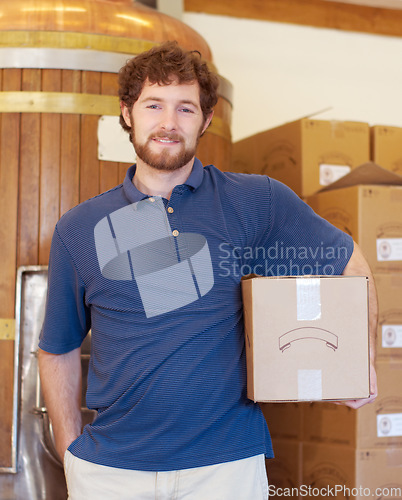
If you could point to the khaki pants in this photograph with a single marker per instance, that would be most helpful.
(238, 480)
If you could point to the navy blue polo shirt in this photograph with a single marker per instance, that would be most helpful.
(158, 284)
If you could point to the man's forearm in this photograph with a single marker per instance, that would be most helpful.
(61, 380)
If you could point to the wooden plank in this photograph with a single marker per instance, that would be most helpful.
(9, 169)
(49, 167)
(28, 230)
(9, 158)
(123, 167)
(108, 175)
(320, 13)
(110, 87)
(70, 147)
(109, 84)
(89, 163)
(108, 170)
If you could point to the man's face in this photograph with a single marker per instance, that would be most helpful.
(166, 124)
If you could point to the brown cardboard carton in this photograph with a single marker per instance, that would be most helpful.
(376, 425)
(366, 174)
(372, 215)
(285, 420)
(386, 149)
(306, 338)
(346, 472)
(306, 154)
(389, 333)
(285, 470)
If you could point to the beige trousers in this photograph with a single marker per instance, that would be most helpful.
(238, 480)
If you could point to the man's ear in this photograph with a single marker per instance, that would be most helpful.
(207, 122)
(125, 113)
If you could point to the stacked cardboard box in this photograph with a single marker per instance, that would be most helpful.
(386, 147)
(305, 154)
(359, 450)
(371, 437)
(370, 213)
(308, 154)
(323, 447)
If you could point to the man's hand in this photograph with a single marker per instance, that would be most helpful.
(358, 403)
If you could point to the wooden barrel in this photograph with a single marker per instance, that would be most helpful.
(58, 65)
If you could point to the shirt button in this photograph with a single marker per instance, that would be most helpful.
(175, 232)
(151, 199)
(170, 210)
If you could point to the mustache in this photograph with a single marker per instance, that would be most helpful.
(169, 136)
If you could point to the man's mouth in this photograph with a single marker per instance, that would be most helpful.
(167, 140)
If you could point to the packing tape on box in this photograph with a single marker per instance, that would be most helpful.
(308, 299)
(309, 385)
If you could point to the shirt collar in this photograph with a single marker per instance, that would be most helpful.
(194, 181)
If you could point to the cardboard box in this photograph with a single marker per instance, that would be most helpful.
(285, 470)
(301, 335)
(375, 425)
(371, 214)
(386, 147)
(351, 473)
(305, 154)
(389, 333)
(285, 420)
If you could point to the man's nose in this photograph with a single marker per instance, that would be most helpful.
(169, 120)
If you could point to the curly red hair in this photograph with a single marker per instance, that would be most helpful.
(163, 64)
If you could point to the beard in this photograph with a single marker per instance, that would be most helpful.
(165, 160)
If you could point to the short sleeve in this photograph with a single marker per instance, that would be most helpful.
(67, 318)
(299, 241)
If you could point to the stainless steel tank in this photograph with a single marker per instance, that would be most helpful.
(38, 473)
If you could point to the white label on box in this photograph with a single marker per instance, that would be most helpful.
(389, 249)
(308, 299)
(389, 425)
(331, 173)
(309, 385)
(391, 336)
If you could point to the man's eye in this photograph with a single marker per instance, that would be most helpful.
(153, 106)
(186, 110)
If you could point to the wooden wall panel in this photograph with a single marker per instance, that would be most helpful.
(9, 170)
(217, 149)
(89, 163)
(28, 230)
(108, 170)
(70, 144)
(49, 167)
(123, 167)
(108, 175)
(319, 13)
(9, 157)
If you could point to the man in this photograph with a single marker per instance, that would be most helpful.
(150, 267)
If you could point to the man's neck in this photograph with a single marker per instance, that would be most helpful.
(155, 182)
